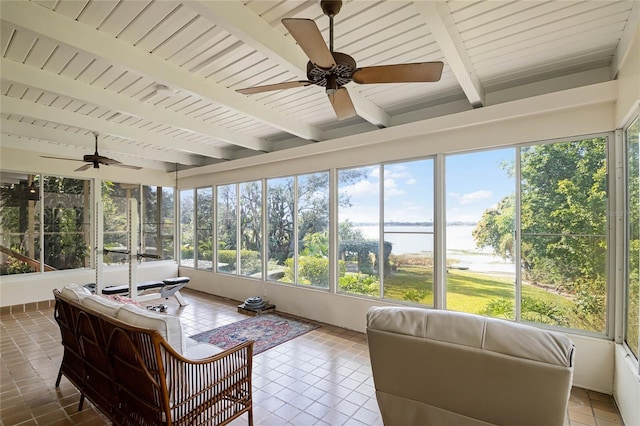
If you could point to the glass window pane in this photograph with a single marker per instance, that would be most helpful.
(251, 229)
(157, 207)
(204, 222)
(359, 230)
(19, 223)
(280, 232)
(187, 228)
(226, 228)
(480, 217)
(408, 231)
(115, 197)
(313, 230)
(633, 234)
(67, 222)
(564, 222)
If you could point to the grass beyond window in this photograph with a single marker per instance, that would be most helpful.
(492, 295)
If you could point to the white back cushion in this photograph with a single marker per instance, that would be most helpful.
(101, 304)
(75, 292)
(169, 326)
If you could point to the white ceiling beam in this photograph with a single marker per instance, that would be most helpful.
(54, 83)
(61, 116)
(85, 141)
(44, 147)
(626, 41)
(62, 29)
(240, 21)
(440, 22)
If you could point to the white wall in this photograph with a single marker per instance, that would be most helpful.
(626, 378)
(627, 386)
(37, 287)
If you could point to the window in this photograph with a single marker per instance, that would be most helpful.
(158, 224)
(408, 231)
(402, 265)
(632, 298)
(116, 215)
(250, 220)
(57, 206)
(66, 222)
(298, 229)
(480, 224)
(564, 233)
(562, 204)
(19, 223)
(187, 228)
(204, 228)
(313, 230)
(359, 230)
(280, 229)
(227, 233)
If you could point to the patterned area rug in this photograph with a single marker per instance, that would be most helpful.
(267, 330)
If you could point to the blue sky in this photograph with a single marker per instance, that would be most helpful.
(474, 182)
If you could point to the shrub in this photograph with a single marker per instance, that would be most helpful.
(368, 285)
(415, 295)
(535, 310)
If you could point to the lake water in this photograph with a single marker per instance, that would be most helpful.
(461, 248)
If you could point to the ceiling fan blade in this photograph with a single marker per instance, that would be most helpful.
(277, 86)
(125, 166)
(83, 168)
(108, 161)
(60, 158)
(400, 73)
(342, 105)
(310, 40)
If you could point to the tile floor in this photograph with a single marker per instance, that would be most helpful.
(320, 378)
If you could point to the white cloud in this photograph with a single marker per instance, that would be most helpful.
(471, 197)
(363, 188)
(411, 181)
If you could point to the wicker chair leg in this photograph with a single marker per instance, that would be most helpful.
(81, 402)
(250, 416)
(59, 377)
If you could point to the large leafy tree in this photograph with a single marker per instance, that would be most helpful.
(563, 223)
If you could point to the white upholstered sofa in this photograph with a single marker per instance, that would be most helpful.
(435, 367)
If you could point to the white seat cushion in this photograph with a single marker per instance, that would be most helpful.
(198, 350)
(168, 325)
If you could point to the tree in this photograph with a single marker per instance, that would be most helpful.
(280, 220)
(563, 223)
(495, 228)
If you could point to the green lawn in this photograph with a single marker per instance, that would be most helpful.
(466, 291)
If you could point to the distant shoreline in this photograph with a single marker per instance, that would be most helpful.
(413, 223)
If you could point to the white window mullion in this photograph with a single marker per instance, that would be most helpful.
(439, 240)
(381, 231)
(518, 238)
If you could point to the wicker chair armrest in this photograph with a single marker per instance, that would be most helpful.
(212, 389)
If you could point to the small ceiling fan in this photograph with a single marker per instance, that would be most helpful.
(95, 160)
(333, 70)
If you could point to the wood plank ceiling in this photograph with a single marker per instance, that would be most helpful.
(72, 67)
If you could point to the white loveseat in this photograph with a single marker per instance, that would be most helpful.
(435, 367)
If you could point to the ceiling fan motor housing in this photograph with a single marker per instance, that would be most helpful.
(343, 71)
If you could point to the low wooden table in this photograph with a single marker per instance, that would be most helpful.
(266, 309)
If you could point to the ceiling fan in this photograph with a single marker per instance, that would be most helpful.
(332, 70)
(95, 160)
